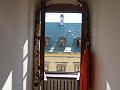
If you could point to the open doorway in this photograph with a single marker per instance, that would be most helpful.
(62, 52)
(52, 67)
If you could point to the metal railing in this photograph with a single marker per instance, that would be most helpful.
(61, 81)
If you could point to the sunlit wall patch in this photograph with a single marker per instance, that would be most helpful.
(8, 82)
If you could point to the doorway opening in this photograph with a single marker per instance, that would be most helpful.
(62, 51)
(58, 49)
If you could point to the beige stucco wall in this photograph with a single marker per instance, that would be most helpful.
(105, 28)
(69, 59)
(16, 28)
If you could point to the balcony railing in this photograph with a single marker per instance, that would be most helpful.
(61, 81)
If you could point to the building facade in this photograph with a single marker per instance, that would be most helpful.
(62, 46)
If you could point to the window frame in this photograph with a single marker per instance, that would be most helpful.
(46, 66)
(76, 66)
(67, 8)
(60, 67)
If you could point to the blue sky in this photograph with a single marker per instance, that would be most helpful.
(68, 17)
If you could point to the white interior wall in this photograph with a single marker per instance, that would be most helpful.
(16, 26)
(105, 43)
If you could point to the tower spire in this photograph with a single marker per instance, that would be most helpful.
(61, 19)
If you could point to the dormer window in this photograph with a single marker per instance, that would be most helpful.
(47, 41)
(62, 41)
(77, 42)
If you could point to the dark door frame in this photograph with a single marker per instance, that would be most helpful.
(68, 8)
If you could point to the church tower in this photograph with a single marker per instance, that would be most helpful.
(61, 25)
(61, 19)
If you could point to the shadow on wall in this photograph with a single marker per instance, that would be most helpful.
(92, 71)
(96, 78)
(14, 72)
(16, 27)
